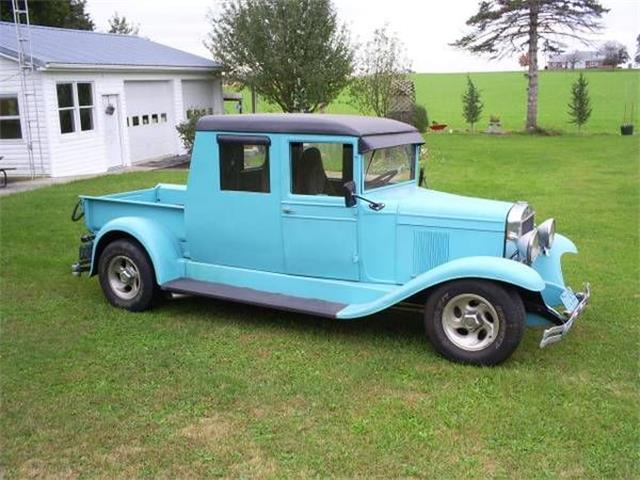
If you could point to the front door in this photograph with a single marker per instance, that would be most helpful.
(113, 139)
(319, 232)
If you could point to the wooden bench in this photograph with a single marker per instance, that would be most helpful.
(3, 171)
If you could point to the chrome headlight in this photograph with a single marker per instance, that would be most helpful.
(529, 246)
(547, 232)
(519, 220)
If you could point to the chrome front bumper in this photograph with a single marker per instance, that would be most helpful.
(557, 333)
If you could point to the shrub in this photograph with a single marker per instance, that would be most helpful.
(420, 118)
(187, 129)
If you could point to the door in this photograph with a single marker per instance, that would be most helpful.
(233, 214)
(319, 232)
(112, 130)
(150, 119)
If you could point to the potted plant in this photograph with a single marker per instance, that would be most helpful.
(627, 122)
(494, 125)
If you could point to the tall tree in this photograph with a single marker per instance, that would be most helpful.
(118, 24)
(502, 27)
(380, 64)
(471, 104)
(580, 106)
(637, 58)
(293, 52)
(613, 53)
(52, 13)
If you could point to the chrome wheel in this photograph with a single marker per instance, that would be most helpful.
(470, 322)
(124, 277)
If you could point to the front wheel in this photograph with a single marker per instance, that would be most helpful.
(475, 321)
(127, 277)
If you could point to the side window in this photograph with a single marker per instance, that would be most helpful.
(321, 168)
(244, 165)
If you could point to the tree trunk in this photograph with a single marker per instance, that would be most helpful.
(532, 90)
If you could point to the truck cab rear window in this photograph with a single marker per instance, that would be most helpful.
(244, 167)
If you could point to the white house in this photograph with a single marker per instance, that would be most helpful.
(575, 60)
(100, 101)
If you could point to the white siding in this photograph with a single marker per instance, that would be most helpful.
(198, 94)
(15, 151)
(86, 152)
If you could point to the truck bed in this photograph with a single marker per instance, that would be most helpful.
(163, 203)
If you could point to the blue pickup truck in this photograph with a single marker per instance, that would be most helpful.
(327, 215)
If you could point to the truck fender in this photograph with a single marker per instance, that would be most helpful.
(550, 269)
(488, 268)
(161, 245)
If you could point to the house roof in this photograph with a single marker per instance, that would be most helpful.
(61, 47)
(576, 56)
(373, 132)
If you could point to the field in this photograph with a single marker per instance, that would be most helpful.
(504, 95)
(200, 388)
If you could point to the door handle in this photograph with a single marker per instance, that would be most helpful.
(288, 210)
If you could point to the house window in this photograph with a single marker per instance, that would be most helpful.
(10, 128)
(321, 168)
(75, 107)
(244, 163)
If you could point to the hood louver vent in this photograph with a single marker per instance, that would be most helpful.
(430, 249)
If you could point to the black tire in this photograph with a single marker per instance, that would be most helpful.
(130, 256)
(441, 319)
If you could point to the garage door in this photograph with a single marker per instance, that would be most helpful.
(150, 120)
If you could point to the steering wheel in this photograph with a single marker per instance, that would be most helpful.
(383, 178)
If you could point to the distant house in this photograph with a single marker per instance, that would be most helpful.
(575, 60)
(98, 101)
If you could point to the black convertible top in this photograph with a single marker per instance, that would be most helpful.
(372, 132)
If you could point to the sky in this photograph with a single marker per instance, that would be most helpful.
(426, 27)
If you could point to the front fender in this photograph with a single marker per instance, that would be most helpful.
(489, 268)
(162, 246)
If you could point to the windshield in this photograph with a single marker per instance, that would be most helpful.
(388, 166)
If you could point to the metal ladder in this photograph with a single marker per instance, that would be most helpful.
(30, 111)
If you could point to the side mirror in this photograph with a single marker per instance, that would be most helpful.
(349, 198)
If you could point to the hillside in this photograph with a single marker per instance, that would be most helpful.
(504, 95)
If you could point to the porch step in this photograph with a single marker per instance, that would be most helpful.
(250, 296)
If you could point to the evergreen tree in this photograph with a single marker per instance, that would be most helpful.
(121, 25)
(580, 106)
(52, 13)
(471, 104)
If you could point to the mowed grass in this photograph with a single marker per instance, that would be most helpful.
(199, 388)
(504, 95)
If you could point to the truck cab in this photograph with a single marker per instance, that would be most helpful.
(325, 215)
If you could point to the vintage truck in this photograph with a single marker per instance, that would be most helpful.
(327, 215)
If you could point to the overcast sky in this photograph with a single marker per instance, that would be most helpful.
(425, 27)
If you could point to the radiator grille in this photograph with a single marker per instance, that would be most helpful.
(430, 249)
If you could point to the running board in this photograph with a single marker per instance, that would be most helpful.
(250, 296)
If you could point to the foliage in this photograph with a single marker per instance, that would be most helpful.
(637, 57)
(471, 104)
(494, 119)
(580, 106)
(523, 60)
(503, 27)
(294, 52)
(420, 118)
(53, 13)
(218, 389)
(382, 61)
(120, 24)
(614, 53)
(187, 129)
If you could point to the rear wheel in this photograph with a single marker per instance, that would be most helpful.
(127, 277)
(475, 321)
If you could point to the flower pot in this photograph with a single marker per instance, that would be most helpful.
(626, 130)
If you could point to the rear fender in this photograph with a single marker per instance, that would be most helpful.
(488, 268)
(161, 245)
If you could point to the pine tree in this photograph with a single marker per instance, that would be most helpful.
(471, 104)
(580, 106)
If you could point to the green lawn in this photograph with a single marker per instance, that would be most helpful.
(504, 95)
(199, 388)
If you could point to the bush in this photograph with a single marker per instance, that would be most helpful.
(420, 119)
(187, 129)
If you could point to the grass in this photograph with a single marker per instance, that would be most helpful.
(200, 388)
(504, 95)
